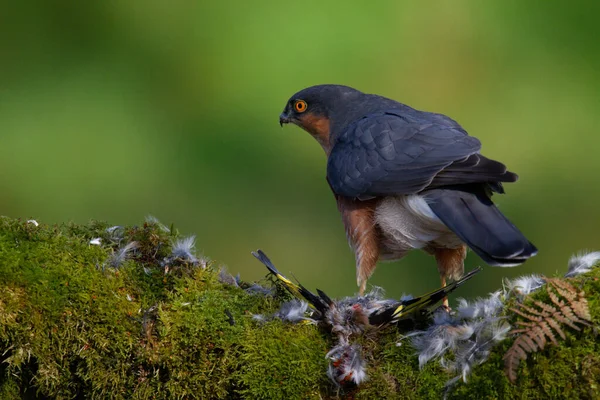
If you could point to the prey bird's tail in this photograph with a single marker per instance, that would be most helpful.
(317, 302)
(408, 308)
(470, 213)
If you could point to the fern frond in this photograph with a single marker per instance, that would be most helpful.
(526, 315)
(525, 323)
(582, 310)
(567, 307)
(541, 314)
(547, 332)
(559, 303)
(556, 325)
(549, 310)
(513, 358)
(564, 288)
(539, 337)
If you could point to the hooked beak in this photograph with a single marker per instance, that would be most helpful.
(284, 119)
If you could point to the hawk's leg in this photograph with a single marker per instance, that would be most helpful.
(358, 218)
(450, 264)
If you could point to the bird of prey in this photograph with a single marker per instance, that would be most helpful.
(406, 179)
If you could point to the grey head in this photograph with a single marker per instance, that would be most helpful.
(339, 104)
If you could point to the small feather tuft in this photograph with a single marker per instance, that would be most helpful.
(183, 249)
(582, 263)
(116, 233)
(468, 334)
(255, 288)
(260, 318)
(227, 279)
(488, 307)
(524, 285)
(293, 311)
(152, 220)
(122, 254)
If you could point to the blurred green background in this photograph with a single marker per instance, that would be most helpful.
(115, 110)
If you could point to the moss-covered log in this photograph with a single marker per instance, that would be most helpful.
(84, 320)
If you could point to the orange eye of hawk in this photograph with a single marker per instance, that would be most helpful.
(300, 106)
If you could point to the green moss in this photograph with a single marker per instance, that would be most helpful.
(394, 372)
(9, 389)
(283, 362)
(73, 326)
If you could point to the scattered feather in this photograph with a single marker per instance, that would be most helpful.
(116, 233)
(488, 307)
(443, 317)
(33, 222)
(582, 263)
(475, 349)
(376, 292)
(183, 249)
(436, 340)
(293, 311)
(463, 339)
(96, 241)
(255, 288)
(227, 279)
(524, 285)
(259, 318)
(122, 254)
(150, 219)
(182, 252)
(113, 229)
(204, 261)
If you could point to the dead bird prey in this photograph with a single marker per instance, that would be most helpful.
(353, 316)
